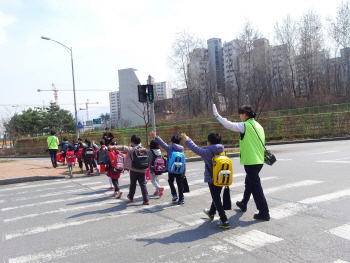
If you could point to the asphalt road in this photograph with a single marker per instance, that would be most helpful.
(78, 220)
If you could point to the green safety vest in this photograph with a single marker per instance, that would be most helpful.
(250, 148)
(52, 142)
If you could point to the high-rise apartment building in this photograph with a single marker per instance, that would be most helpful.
(231, 63)
(216, 62)
(115, 109)
(162, 90)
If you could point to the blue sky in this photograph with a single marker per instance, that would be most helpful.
(111, 35)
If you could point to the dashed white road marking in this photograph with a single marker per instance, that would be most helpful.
(252, 240)
(38, 190)
(340, 261)
(92, 183)
(341, 231)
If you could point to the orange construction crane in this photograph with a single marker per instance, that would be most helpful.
(56, 90)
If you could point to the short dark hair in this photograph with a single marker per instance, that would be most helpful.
(65, 139)
(80, 139)
(136, 139)
(102, 143)
(153, 145)
(88, 143)
(86, 140)
(248, 110)
(70, 147)
(176, 139)
(107, 128)
(112, 143)
(80, 144)
(53, 132)
(214, 138)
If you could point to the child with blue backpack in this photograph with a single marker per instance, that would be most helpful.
(157, 166)
(176, 165)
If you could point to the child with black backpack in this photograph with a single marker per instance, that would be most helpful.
(176, 165)
(157, 166)
(89, 155)
(214, 147)
(136, 161)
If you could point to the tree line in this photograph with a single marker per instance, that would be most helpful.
(32, 122)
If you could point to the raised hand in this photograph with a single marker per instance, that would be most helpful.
(184, 136)
(153, 134)
(215, 111)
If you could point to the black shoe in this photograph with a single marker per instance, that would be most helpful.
(241, 206)
(265, 217)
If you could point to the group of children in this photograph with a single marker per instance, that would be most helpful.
(138, 160)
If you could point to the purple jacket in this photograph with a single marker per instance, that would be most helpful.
(169, 148)
(207, 155)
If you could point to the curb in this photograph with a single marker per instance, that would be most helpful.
(24, 179)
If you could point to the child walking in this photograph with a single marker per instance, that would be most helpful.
(137, 166)
(89, 155)
(70, 159)
(153, 154)
(79, 154)
(173, 147)
(114, 176)
(214, 146)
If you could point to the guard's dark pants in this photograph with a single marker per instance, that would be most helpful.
(53, 154)
(141, 178)
(253, 186)
(179, 183)
(216, 204)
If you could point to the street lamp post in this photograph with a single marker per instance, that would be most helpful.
(70, 51)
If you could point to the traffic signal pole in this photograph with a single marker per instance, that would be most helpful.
(152, 107)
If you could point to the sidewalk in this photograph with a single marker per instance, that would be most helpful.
(25, 171)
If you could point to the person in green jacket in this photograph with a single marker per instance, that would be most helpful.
(251, 156)
(52, 144)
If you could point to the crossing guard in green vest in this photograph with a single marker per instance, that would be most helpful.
(251, 156)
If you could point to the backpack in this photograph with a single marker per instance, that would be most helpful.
(80, 153)
(222, 170)
(158, 165)
(176, 163)
(89, 153)
(140, 158)
(70, 157)
(75, 146)
(117, 161)
(103, 157)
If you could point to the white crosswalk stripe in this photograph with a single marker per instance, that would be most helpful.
(341, 231)
(252, 240)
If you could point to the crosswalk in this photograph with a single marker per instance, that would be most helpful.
(85, 208)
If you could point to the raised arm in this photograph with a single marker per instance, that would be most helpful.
(122, 148)
(193, 147)
(233, 126)
(162, 144)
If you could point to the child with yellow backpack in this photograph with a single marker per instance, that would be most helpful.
(218, 173)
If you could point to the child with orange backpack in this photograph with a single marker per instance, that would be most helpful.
(70, 159)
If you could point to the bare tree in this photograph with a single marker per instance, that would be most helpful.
(180, 58)
(141, 110)
(286, 35)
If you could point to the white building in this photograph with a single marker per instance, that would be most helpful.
(162, 90)
(231, 63)
(114, 105)
(132, 111)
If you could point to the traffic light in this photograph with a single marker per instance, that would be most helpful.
(150, 92)
(142, 90)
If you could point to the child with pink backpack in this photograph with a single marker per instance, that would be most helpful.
(157, 166)
(114, 169)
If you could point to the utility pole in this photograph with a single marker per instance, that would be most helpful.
(152, 107)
